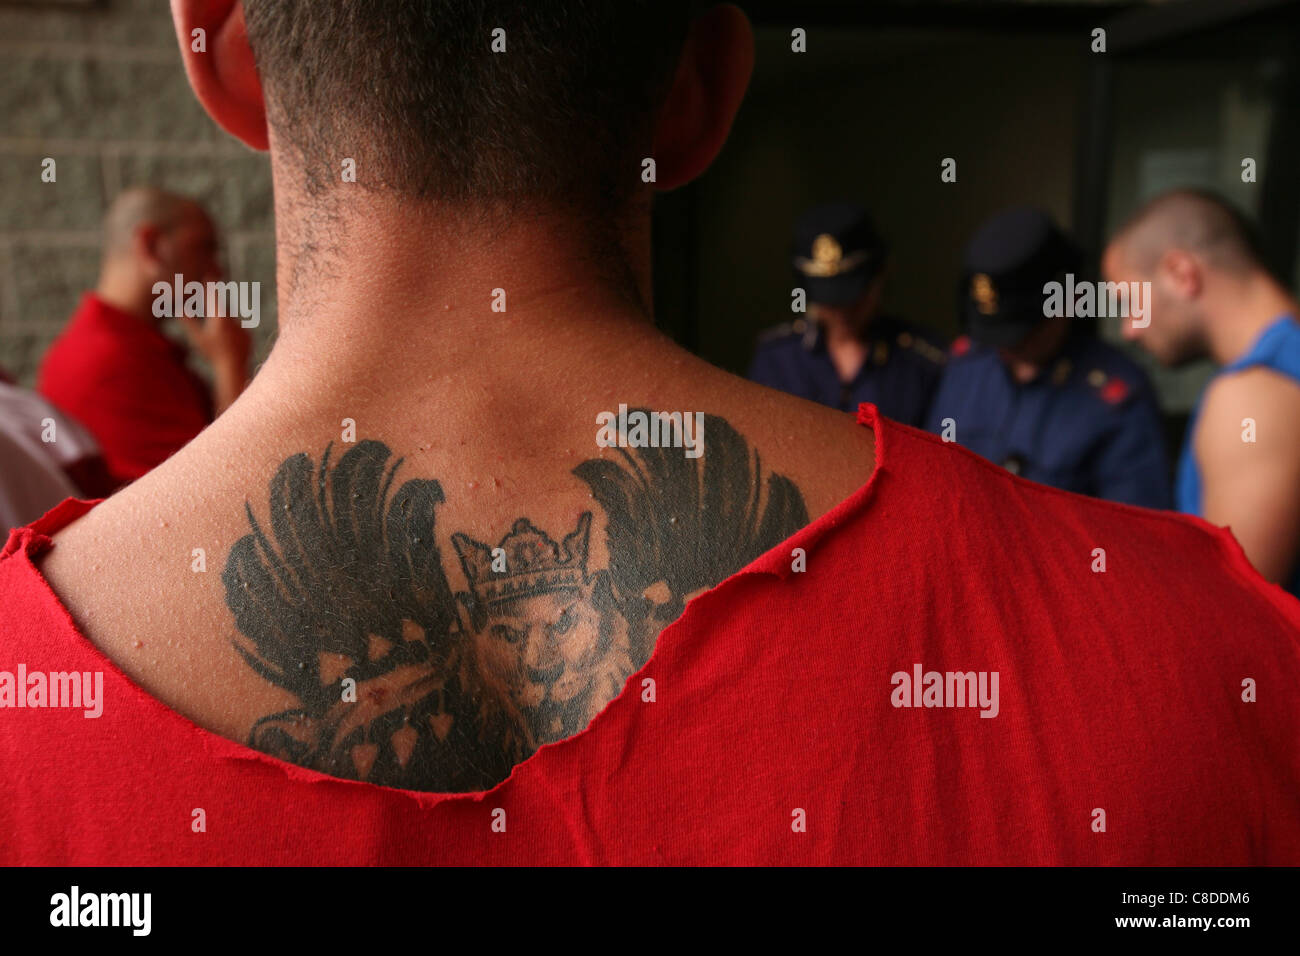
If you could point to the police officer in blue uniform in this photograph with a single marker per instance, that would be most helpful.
(1041, 394)
(845, 352)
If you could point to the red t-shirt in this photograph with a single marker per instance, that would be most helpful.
(126, 382)
(773, 736)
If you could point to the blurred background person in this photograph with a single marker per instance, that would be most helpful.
(1212, 296)
(1043, 396)
(846, 351)
(114, 370)
(30, 482)
(44, 457)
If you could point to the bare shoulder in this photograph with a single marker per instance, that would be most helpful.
(828, 449)
(1247, 411)
(1256, 383)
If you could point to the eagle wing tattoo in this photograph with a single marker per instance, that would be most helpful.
(341, 597)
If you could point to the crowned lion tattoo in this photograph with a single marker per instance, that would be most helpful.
(344, 602)
(545, 636)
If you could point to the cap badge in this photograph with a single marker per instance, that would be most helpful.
(827, 251)
(828, 258)
(984, 293)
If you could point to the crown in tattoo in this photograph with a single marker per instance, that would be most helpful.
(534, 564)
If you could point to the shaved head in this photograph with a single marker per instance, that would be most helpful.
(143, 206)
(152, 235)
(1193, 221)
(1201, 261)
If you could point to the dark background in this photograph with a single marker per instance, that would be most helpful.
(1014, 93)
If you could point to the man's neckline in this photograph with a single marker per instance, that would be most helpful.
(35, 539)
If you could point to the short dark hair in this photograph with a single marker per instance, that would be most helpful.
(1199, 220)
(412, 90)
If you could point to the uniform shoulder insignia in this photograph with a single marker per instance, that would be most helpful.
(921, 347)
(1115, 391)
(1111, 389)
(960, 346)
(783, 331)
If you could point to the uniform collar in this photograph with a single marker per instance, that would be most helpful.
(1057, 371)
(881, 329)
(812, 336)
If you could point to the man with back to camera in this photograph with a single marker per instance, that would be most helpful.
(846, 351)
(444, 539)
(1042, 395)
(1212, 297)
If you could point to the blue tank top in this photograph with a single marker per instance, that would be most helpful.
(1278, 348)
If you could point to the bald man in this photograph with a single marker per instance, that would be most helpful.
(1211, 296)
(114, 370)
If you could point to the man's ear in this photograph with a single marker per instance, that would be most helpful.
(1182, 270)
(220, 65)
(146, 241)
(712, 74)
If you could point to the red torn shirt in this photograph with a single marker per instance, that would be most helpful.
(774, 736)
(126, 382)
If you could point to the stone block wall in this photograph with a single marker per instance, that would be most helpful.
(99, 87)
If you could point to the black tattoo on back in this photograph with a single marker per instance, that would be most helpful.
(344, 602)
